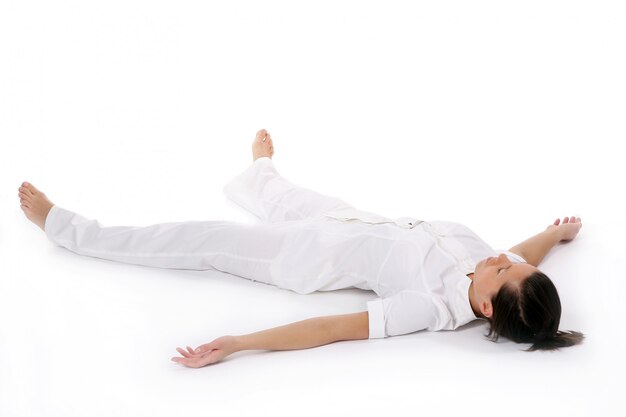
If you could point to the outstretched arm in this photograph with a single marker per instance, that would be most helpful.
(299, 335)
(533, 250)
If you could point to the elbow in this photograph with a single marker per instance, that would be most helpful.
(350, 327)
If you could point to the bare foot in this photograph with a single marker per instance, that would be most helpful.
(35, 204)
(262, 145)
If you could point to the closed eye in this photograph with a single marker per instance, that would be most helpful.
(504, 269)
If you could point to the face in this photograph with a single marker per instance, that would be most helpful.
(492, 273)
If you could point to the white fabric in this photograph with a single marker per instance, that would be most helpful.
(307, 242)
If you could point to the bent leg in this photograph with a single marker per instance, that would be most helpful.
(261, 190)
(240, 249)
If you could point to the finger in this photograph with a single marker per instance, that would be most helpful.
(178, 360)
(185, 362)
(190, 362)
(566, 220)
(196, 354)
(557, 221)
(183, 352)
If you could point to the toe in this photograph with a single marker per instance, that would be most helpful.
(25, 192)
(260, 135)
(29, 188)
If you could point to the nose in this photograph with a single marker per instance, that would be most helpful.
(503, 259)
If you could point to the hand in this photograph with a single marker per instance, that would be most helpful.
(568, 229)
(208, 353)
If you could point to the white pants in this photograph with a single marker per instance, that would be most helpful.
(246, 250)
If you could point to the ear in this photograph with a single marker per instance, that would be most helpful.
(486, 309)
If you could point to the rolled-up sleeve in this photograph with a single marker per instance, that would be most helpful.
(405, 312)
(514, 257)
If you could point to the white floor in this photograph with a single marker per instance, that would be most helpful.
(500, 118)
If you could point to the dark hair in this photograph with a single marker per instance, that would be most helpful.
(530, 313)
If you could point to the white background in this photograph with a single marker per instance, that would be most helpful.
(500, 115)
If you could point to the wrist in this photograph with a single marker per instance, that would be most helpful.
(556, 233)
(241, 342)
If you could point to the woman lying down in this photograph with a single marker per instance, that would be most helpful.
(428, 275)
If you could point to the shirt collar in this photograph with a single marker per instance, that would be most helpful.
(463, 308)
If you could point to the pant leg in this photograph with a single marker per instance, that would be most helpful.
(241, 249)
(261, 190)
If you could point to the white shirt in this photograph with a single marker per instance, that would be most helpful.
(423, 283)
(418, 269)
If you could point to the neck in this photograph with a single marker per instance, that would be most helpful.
(472, 299)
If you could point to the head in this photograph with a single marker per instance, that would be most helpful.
(521, 304)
